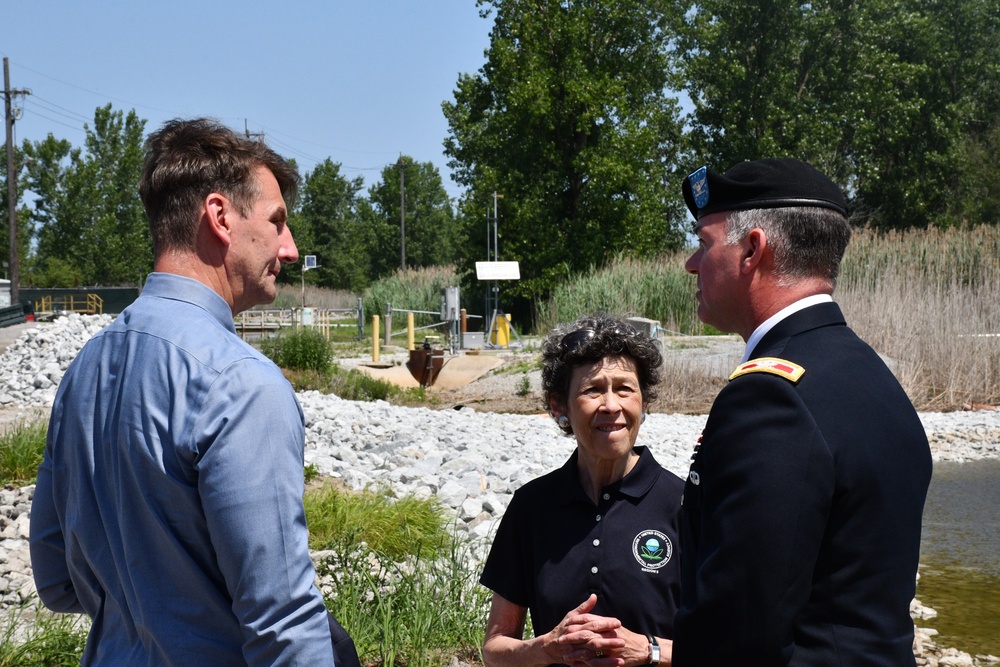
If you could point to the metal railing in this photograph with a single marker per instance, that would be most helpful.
(265, 322)
(91, 304)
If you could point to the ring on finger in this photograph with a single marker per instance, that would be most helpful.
(598, 654)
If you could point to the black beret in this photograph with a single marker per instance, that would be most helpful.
(768, 183)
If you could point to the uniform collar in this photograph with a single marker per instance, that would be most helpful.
(770, 322)
(815, 317)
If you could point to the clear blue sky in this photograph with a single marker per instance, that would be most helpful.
(358, 81)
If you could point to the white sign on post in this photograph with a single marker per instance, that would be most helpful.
(310, 262)
(498, 271)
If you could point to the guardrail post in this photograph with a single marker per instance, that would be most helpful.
(463, 327)
(388, 323)
(361, 319)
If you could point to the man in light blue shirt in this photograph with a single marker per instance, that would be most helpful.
(169, 504)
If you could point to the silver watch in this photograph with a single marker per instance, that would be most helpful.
(654, 650)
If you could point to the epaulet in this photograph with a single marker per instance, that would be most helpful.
(786, 369)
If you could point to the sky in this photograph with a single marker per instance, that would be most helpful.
(356, 81)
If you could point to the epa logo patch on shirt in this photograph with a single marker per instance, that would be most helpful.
(652, 550)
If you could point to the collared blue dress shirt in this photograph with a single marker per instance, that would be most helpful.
(169, 504)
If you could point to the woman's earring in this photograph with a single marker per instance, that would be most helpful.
(563, 421)
(643, 418)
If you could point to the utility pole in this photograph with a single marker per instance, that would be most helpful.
(8, 94)
(402, 212)
(496, 224)
(256, 136)
(494, 297)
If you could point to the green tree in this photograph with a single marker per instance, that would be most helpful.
(977, 196)
(45, 173)
(432, 233)
(327, 225)
(759, 78)
(878, 94)
(95, 225)
(569, 119)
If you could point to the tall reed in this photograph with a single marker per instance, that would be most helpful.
(658, 289)
(412, 289)
(927, 300)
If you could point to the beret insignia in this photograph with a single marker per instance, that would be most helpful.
(773, 365)
(699, 187)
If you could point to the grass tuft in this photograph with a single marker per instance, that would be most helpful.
(523, 386)
(391, 527)
(22, 449)
(34, 637)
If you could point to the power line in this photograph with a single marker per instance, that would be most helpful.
(57, 122)
(323, 146)
(95, 93)
(55, 108)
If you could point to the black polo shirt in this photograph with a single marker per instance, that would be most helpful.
(554, 548)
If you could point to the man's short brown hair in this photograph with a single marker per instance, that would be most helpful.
(188, 159)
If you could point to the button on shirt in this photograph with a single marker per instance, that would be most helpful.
(554, 548)
(169, 504)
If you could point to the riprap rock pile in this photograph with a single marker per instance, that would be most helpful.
(34, 364)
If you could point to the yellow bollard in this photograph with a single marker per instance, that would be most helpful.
(374, 338)
(409, 331)
(500, 335)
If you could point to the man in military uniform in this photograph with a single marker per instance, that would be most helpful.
(800, 523)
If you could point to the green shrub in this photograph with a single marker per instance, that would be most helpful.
(301, 349)
(352, 385)
(309, 380)
(21, 451)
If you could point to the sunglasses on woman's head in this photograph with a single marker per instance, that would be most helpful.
(576, 339)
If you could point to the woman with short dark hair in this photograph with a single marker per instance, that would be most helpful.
(590, 549)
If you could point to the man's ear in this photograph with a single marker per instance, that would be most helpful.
(218, 213)
(754, 248)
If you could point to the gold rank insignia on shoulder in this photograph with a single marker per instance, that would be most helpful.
(773, 365)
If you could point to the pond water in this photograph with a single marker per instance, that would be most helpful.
(960, 556)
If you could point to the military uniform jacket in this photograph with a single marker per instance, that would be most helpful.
(800, 521)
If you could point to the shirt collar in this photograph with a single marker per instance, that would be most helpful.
(635, 484)
(772, 321)
(181, 288)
